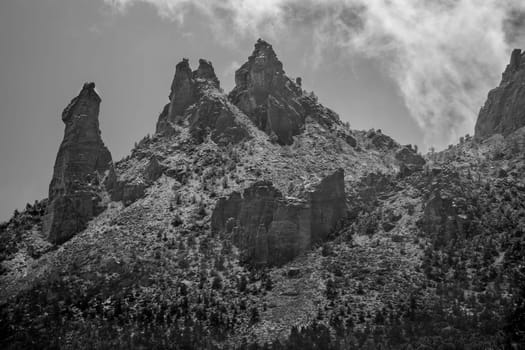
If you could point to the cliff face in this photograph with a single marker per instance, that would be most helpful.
(271, 229)
(504, 110)
(82, 160)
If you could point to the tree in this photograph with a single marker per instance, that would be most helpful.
(217, 282)
(254, 315)
(243, 282)
(331, 290)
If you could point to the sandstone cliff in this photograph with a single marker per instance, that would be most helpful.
(271, 229)
(504, 110)
(81, 163)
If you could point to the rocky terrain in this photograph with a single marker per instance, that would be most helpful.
(258, 219)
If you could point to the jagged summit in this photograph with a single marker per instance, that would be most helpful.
(262, 73)
(87, 94)
(82, 160)
(504, 110)
(517, 62)
(206, 72)
(186, 89)
(271, 99)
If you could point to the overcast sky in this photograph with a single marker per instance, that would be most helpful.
(420, 73)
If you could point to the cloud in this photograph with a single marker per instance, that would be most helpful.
(444, 55)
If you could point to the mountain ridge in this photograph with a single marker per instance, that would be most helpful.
(166, 258)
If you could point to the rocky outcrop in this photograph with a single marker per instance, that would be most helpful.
(327, 201)
(213, 117)
(129, 190)
(408, 155)
(271, 229)
(447, 214)
(268, 96)
(209, 114)
(504, 110)
(183, 94)
(380, 140)
(409, 160)
(81, 164)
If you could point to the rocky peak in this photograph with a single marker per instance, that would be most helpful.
(206, 73)
(81, 163)
(268, 96)
(262, 73)
(80, 105)
(517, 58)
(186, 89)
(181, 87)
(504, 110)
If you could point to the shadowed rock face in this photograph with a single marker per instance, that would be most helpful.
(212, 116)
(504, 110)
(268, 96)
(82, 160)
(270, 229)
(445, 215)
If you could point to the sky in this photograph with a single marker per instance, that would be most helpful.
(418, 70)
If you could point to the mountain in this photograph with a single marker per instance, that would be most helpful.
(258, 219)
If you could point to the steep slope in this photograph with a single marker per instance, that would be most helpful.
(427, 253)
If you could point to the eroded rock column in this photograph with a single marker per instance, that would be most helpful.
(82, 162)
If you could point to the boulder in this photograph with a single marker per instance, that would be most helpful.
(270, 229)
(153, 170)
(409, 161)
(351, 140)
(82, 163)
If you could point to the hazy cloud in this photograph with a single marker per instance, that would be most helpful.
(445, 55)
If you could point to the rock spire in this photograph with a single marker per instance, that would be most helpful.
(268, 96)
(81, 163)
